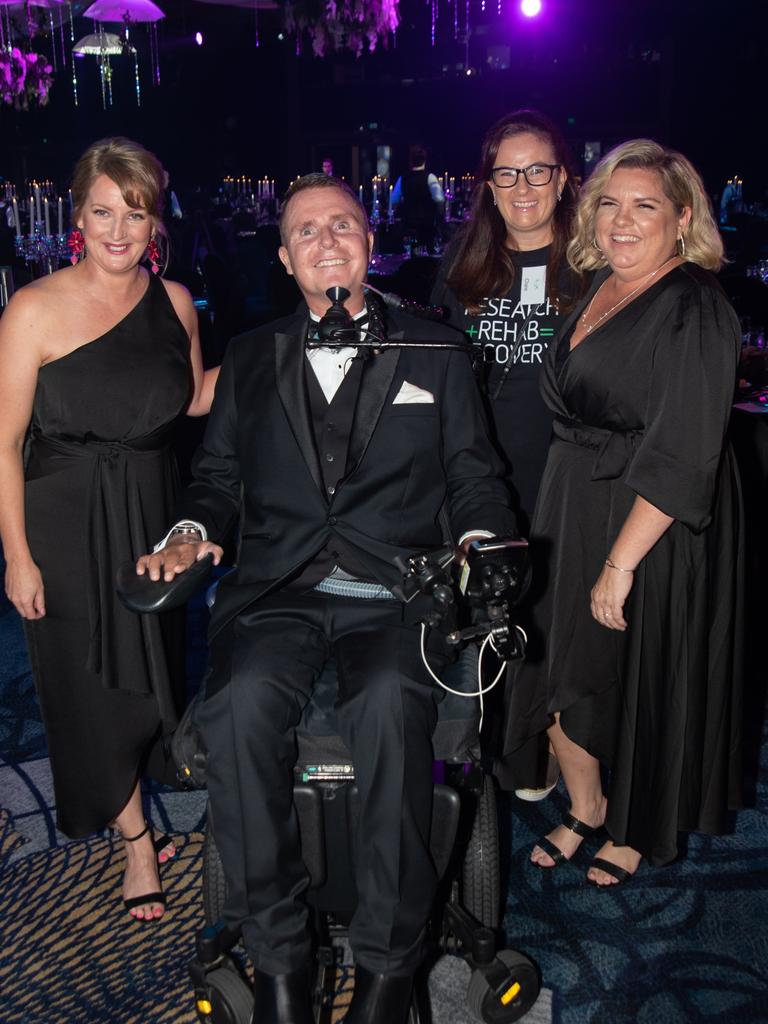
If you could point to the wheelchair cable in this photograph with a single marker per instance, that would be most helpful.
(481, 691)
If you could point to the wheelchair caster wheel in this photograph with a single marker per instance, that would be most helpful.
(509, 1000)
(226, 998)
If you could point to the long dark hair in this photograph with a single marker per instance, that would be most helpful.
(482, 265)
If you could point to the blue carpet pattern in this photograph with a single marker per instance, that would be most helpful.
(685, 943)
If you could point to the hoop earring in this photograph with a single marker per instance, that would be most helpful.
(681, 246)
(559, 196)
(596, 246)
(76, 245)
(154, 255)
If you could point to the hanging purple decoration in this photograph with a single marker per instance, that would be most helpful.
(128, 12)
(116, 10)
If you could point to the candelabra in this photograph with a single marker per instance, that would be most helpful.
(47, 250)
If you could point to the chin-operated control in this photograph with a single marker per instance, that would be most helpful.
(336, 323)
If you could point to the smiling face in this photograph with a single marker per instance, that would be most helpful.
(326, 243)
(116, 235)
(636, 225)
(528, 210)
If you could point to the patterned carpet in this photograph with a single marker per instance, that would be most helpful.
(686, 943)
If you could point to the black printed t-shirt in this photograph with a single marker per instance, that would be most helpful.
(520, 421)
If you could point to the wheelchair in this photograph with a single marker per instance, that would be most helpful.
(504, 983)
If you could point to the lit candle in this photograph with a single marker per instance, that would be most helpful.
(47, 208)
(70, 202)
(16, 221)
(31, 216)
(360, 193)
(61, 217)
(37, 202)
(391, 190)
(272, 189)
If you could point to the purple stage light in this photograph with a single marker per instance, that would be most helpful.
(530, 8)
(199, 38)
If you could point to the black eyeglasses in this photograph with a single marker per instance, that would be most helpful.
(535, 174)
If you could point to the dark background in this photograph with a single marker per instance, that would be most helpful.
(689, 74)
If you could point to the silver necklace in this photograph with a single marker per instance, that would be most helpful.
(588, 328)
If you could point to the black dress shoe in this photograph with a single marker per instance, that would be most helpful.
(282, 998)
(379, 998)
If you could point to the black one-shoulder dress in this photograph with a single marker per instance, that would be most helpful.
(641, 407)
(100, 481)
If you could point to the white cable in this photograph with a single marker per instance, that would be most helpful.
(481, 691)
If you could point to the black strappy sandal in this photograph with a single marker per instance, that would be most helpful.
(149, 897)
(620, 874)
(555, 852)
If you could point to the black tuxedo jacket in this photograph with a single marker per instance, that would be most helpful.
(258, 461)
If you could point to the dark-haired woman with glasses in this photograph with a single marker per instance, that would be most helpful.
(505, 282)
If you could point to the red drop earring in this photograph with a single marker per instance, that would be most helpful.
(76, 245)
(154, 255)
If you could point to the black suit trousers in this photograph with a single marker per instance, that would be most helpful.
(262, 669)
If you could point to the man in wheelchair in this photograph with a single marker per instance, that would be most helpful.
(333, 461)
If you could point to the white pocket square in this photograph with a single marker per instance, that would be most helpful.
(409, 394)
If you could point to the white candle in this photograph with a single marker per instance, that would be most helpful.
(37, 202)
(61, 217)
(360, 193)
(16, 221)
(390, 198)
(47, 208)
(31, 216)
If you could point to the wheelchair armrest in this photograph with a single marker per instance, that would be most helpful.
(141, 594)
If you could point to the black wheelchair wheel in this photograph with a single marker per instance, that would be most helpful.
(480, 884)
(214, 884)
(230, 998)
(516, 997)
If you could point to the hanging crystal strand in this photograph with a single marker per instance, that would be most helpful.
(2, 33)
(434, 19)
(74, 79)
(62, 46)
(136, 76)
(103, 83)
(53, 39)
(71, 24)
(154, 53)
(74, 65)
(498, 7)
(109, 79)
(256, 25)
(455, 19)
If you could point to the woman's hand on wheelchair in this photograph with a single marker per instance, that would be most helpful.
(176, 557)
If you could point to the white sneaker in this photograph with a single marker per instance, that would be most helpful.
(553, 777)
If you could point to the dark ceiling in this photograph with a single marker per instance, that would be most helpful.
(687, 73)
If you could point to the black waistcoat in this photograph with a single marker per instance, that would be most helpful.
(332, 425)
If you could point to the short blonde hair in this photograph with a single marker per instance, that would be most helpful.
(682, 185)
(138, 174)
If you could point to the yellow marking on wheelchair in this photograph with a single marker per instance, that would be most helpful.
(204, 1006)
(512, 992)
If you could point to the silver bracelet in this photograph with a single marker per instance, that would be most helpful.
(188, 531)
(618, 568)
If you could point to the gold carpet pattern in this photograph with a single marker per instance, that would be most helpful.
(70, 954)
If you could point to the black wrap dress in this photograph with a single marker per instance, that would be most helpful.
(100, 482)
(641, 406)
